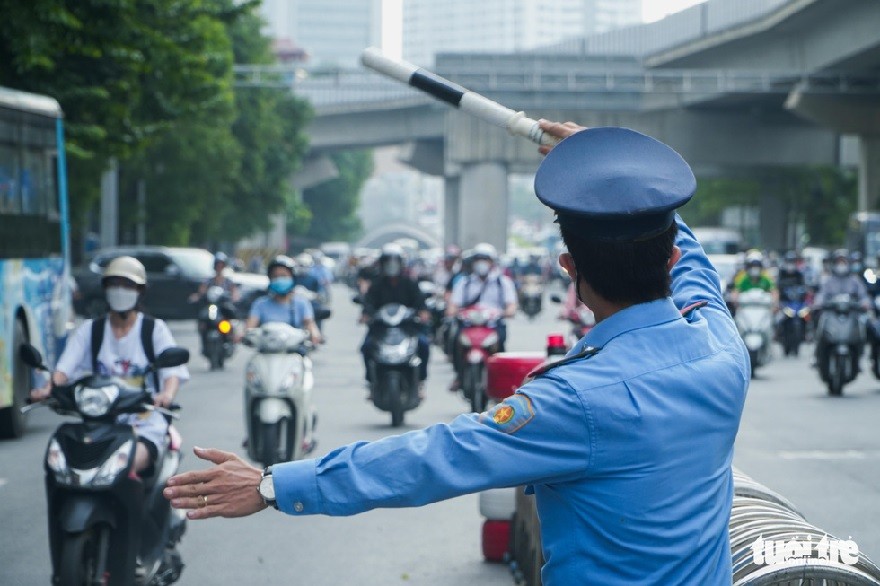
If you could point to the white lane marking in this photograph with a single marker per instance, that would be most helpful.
(829, 454)
(2, 482)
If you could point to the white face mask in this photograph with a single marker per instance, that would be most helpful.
(755, 272)
(841, 269)
(121, 298)
(482, 267)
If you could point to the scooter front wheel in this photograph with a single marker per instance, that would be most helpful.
(83, 558)
(269, 443)
(836, 374)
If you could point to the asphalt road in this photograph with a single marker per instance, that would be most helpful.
(822, 453)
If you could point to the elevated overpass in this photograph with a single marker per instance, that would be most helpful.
(728, 83)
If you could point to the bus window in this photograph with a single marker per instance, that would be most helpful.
(9, 193)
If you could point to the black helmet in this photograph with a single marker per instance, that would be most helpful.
(281, 261)
(791, 256)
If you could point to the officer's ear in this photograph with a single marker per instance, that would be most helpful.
(674, 258)
(567, 263)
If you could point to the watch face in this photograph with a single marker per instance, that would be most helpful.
(267, 488)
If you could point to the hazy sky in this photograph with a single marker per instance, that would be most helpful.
(651, 10)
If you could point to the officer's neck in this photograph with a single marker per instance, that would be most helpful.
(601, 307)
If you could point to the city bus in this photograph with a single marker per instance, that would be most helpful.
(35, 282)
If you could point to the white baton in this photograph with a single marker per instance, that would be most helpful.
(453, 94)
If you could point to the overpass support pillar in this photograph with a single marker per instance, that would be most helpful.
(869, 173)
(451, 211)
(482, 205)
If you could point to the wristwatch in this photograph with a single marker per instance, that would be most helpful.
(266, 488)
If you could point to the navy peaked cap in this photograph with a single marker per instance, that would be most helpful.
(614, 184)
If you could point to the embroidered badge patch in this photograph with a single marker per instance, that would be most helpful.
(511, 414)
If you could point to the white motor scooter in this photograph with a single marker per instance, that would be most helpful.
(279, 414)
(754, 321)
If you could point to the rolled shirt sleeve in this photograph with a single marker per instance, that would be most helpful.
(540, 434)
(693, 276)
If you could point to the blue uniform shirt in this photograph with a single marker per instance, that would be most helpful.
(267, 309)
(629, 451)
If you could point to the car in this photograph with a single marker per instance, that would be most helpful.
(173, 274)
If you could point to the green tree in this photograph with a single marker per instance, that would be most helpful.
(334, 203)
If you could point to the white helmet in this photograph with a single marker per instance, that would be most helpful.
(486, 250)
(126, 267)
(304, 260)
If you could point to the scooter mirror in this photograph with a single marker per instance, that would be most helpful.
(357, 299)
(173, 356)
(323, 313)
(555, 298)
(30, 356)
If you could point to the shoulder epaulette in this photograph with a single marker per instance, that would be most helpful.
(689, 309)
(548, 366)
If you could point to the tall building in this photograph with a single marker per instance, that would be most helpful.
(505, 26)
(331, 32)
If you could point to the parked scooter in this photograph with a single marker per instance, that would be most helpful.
(840, 338)
(754, 321)
(279, 415)
(478, 339)
(792, 325)
(102, 515)
(392, 360)
(215, 326)
(531, 293)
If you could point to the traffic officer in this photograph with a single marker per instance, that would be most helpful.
(627, 443)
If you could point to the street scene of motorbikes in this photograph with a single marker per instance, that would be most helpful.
(235, 226)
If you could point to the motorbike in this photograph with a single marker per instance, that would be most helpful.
(873, 335)
(393, 361)
(581, 320)
(104, 517)
(215, 327)
(792, 324)
(436, 306)
(840, 339)
(531, 292)
(279, 415)
(754, 321)
(478, 339)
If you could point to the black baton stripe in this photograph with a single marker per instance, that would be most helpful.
(440, 88)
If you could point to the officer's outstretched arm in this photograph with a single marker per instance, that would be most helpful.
(540, 434)
(693, 276)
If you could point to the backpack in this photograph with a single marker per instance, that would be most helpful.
(147, 326)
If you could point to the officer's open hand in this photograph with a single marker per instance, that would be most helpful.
(559, 130)
(228, 489)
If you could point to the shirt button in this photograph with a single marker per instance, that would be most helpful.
(298, 507)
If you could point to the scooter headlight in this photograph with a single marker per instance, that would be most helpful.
(465, 341)
(117, 463)
(95, 402)
(804, 313)
(396, 353)
(253, 379)
(292, 380)
(57, 462)
(490, 340)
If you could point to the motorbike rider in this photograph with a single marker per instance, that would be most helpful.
(840, 281)
(754, 276)
(281, 304)
(122, 353)
(487, 286)
(392, 286)
(307, 278)
(790, 279)
(221, 261)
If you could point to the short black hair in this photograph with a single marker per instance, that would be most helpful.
(627, 272)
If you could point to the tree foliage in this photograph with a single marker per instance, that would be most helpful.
(821, 198)
(334, 203)
(150, 83)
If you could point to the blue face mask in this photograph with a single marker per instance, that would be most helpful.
(281, 285)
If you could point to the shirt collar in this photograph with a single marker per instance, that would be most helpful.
(642, 315)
